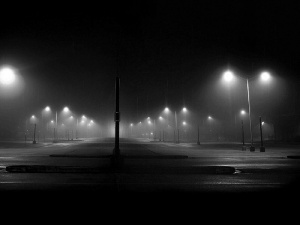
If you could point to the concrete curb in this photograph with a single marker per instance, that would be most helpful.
(51, 169)
(123, 169)
(125, 156)
(293, 156)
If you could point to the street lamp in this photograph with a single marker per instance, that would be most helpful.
(11, 83)
(166, 110)
(265, 76)
(131, 129)
(210, 119)
(45, 111)
(7, 76)
(33, 119)
(262, 148)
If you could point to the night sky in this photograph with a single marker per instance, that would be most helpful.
(165, 53)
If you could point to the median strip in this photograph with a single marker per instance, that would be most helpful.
(124, 169)
(125, 156)
(293, 156)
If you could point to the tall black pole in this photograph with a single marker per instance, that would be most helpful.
(243, 137)
(198, 142)
(262, 148)
(174, 136)
(117, 119)
(34, 141)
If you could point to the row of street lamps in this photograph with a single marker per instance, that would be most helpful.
(8, 76)
(228, 76)
(68, 120)
(265, 76)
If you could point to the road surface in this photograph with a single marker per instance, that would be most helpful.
(80, 168)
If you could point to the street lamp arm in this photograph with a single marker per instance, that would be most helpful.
(247, 78)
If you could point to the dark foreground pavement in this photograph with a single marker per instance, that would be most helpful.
(164, 172)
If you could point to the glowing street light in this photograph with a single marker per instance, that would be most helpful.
(66, 109)
(7, 76)
(131, 125)
(243, 112)
(265, 76)
(228, 75)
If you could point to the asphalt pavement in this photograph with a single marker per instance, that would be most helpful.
(209, 170)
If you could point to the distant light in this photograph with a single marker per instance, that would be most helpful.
(265, 76)
(243, 112)
(149, 122)
(166, 109)
(47, 109)
(262, 123)
(92, 121)
(148, 118)
(66, 109)
(83, 117)
(184, 123)
(62, 124)
(7, 76)
(140, 122)
(160, 118)
(228, 75)
(151, 133)
(52, 121)
(71, 117)
(82, 121)
(184, 109)
(209, 117)
(32, 116)
(131, 124)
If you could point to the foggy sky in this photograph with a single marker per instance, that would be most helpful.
(165, 52)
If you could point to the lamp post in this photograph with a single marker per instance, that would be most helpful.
(33, 119)
(262, 148)
(210, 119)
(198, 142)
(176, 128)
(131, 125)
(160, 119)
(243, 137)
(228, 76)
(243, 133)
